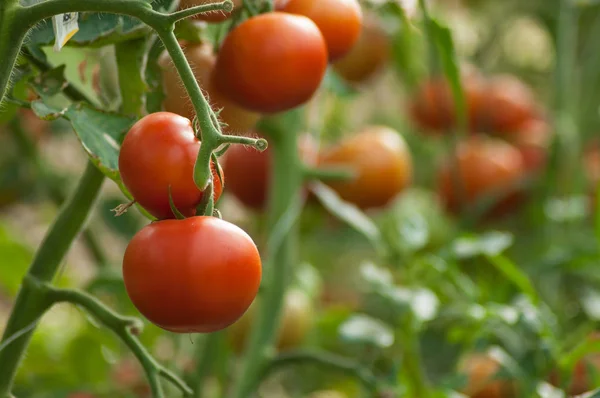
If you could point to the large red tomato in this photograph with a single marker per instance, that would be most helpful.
(249, 171)
(271, 62)
(160, 151)
(483, 379)
(483, 166)
(339, 20)
(367, 57)
(196, 275)
(215, 16)
(382, 163)
(202, 59)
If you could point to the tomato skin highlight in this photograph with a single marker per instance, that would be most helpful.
(382, 163)
(196, 275)
(340, 21)
(202, 59)
(159, 151)
(271, 62)
(213, 17)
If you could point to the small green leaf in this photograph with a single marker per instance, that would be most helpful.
(346, 212)
(45, 111)
(490, 243)
(515, 275)
(101, 134)
(363, 329)
(50, 83)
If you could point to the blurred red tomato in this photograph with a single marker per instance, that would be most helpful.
(483, 166)
(532, 139)
(367, 56)
(249, 171)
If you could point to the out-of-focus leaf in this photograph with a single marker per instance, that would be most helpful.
(376, 276)
(14, 260)
(308, 280)
(570, 209)
(45, 111)
(346, 212)
(50, 83)
(363, 329)
(515, 275)
(490, 243)
(336, 85)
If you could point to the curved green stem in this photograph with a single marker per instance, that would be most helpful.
(30, 304)
(12, 33)
(324, 359)
(284, 199)
(226, 6)
(124, 327)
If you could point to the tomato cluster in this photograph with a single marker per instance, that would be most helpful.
(198, 274)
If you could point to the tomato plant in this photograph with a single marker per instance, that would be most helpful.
(215, 16)
(381, 162)
(157, 156)
(340, 22)
(272, 62)
(196, 275)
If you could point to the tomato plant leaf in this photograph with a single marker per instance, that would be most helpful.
(347, 212)
(100, 134)
(336, 85)
(50, 83)
(98, 30)
(45, 111)
(515, 275)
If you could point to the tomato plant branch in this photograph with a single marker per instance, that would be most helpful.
(126, 328)
(328, 173)
(30, 304)
(327, 360)
(226, 6)
(284, 205)
(12, 34)
(206, 358)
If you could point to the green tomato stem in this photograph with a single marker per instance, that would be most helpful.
(226, 6)
(30, 304)
(329, 173)
(12, 33)
(284, 195)
(208, 354)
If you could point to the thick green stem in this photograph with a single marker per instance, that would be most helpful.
(12, 33)
(284, 194)
(206, 358)
(30, 305)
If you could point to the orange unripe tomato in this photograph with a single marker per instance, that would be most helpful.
(483, 381)
(197, 275)
(202, 59)
(215, 16)
(483, 166)
(296, 321)
(271, 62)
(367, 56)
(340, 21)
(381, 161)
(159, 152)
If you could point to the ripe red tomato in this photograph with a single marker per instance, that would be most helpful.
(196, 275)
(509, 103)
(382, 163)
(249, 171)
(160, 151)
(202, 59)
(484, 166)
(271, 62)
(432, 107)
(532, 140)
(366, 57)
(483, 380)
(297, 319)
(339, 20)
(216, 16)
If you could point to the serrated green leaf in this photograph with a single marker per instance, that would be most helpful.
(50, 83)
(101, 134)
(45, 111)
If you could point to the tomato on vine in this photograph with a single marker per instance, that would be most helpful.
(159, 152)
(271, 62)
(340, 21)
(202, 59)
(483, 166)
(214, 16)
(197, 275)
(381, 161)
(249, 171)
(367, 56)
